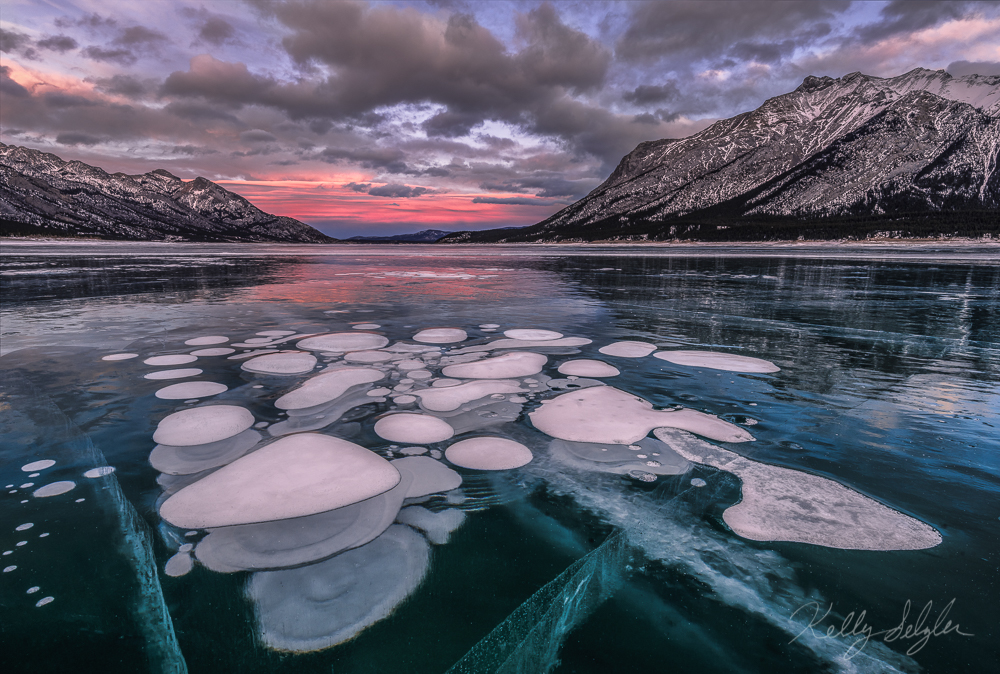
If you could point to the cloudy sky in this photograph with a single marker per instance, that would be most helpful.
(389, 117)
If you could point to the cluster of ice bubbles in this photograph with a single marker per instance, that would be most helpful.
(337, 535)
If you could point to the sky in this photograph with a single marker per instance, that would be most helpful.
(376, 118)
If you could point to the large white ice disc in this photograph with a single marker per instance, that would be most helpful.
(206, 341)
(177, 359)
(294, 476)
(281, 363)
(221, 351)
(628, 349)
(343, 342)
(179, 373)
(201, 425)
(781, 504)
(326, 387)
(532, 334)
(190, 389)
(588, 368)
(730, 362)
(367, 356)
(324, 604)
(488, 454)
(429, 476)
(440, 336)
(605, 414)
(413, 428)
(120, 356)
(518, 364)
(452, 397)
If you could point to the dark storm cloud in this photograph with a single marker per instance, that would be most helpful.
(645, 93)
(59, 43)
(93, 22)
(62, 100)
(192, 150)
(12, 41)
(128, 46)
(257, 136)
(388, 159)
(908, 16)
(541, 185)
(963, 68)
(216, 30)
(77, 138)
(396, 191)
(127, 86)
(120, 56)
(9, 87)
(200, 113)
(359, 187)
(509, 201)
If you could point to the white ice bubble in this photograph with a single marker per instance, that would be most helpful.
(321, 605)
(488, 453)
(54, 489)
(276, 333)
(180, 373)
(176, 359)
(441, 336)
(490, 326)
(224, 351)
(38, 465)
(33, 590)
(698, 482)
(404, 400)
(100, 471)
(445, 383)
(343, 342)
(588, 368)
(294, 476)
(628, 349)
(326, 387)
(619, 459)
(429, 476)
(202, 425)
(366, 326)
(206, 341)
(526, 344)
(190, 390)
(367, 357)
(179, 565)
(413, 451)
(606, 414)
(532, 335)
(288, 363)
(401, 347)
(43, 601)
(413, 428)
(437, 526)
(120, 356)
(518, 364)
(24, 527)
(781, 504)
(715, 360)
(419, 374)
(173, 460)
(26, 485)
(258, 340)
(450, 398)
(8, 569)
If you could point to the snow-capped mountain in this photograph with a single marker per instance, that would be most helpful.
(923, 145)
(42, 194)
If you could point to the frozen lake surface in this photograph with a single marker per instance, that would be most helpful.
(499, 459)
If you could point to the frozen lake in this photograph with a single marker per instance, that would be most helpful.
(479, 476)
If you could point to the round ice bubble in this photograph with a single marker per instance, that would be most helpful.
(281, 363)
(367, 356)
(697, 482)
(206, 341)
(120, 356)
(440, 336)
(366, 326)
(179, 373)
(488, 453)
(179, 565)
(628, 349)
(326, 387)
(343, 342)
(276, 333)
(100, 471)
(714, 360)
(223, 351)
(202, 425)
(38, 465)
(532, 335)
(519, 364)
(413, 428)
(175, 359)
(24, 527)
(588, 368)
(54, 489)
(190, 389)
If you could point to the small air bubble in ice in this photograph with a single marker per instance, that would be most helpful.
(33, 590)
(38, 465)
(697, 482)
(43, 535)
(24, 527)
(100, 471)
(26, 485)
(20, 543)
(44, 600)
(8, 569)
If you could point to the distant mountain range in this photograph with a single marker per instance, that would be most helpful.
(852, 157)
(40, 194)
(425, 236)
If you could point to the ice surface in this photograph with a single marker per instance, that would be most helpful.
(294, 476)
(605, 414)
(120, 356)
(413, 428)
(485, 415)
(287, 363)
(205, 341)
(343, 342)
(527, 335)
(452, 397)
(223, 351)
(38, 465)
(518, 364)
(715, 360)
(100, 471)
(781, 504)
(488, 453)
(628, 349)
(190, 389)
(189, 460)
(54, 489)
(441, 336)
(327, 387)
(437, 526)
(429, 476)
(588, 368)
(176, 359)
(324, 604)
(180, 373)
(202, 425)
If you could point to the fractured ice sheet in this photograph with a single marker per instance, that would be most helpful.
(628, 349)
(441, 336)
(588, 368)
(648, 455)
(301, 540)
(179, 373)
(781, 504)
(529, 334)
(517, 364)
(428, 476)
(452, 397)
(324, 604)
(437, 526)
(174, 460)
(343, 342)
(413, 428)
(715, 360)
(488, 453)
(287, 363)
(294, 476)
(190, 389)
(202, 425)
(606, 414)
(326, 387)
